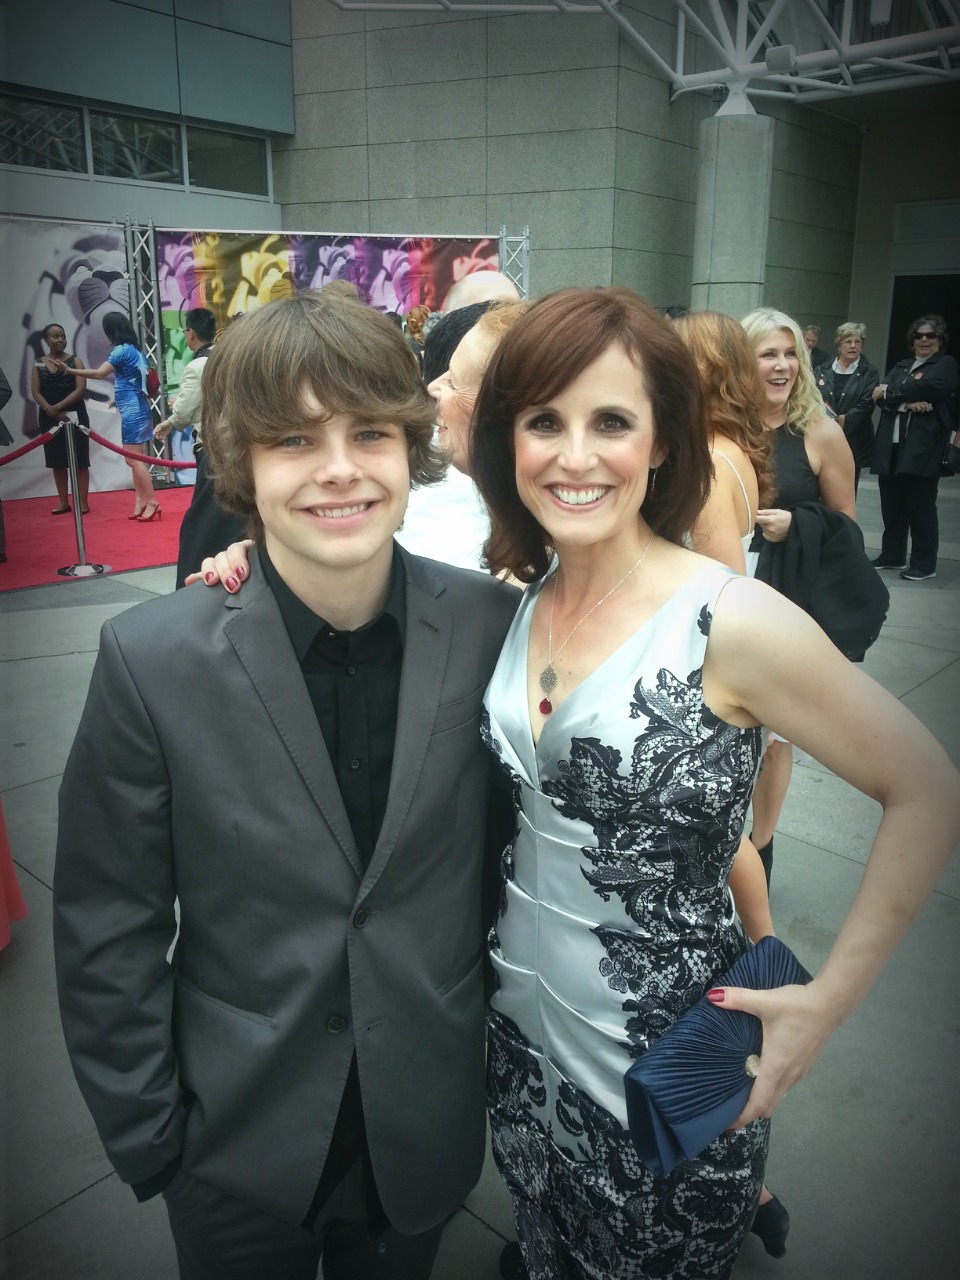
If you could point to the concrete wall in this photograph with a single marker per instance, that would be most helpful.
(419, 122)
(813, 216)
(48, 195)
(657, 160)
(904, 161)
(424, 123)
(223, 61)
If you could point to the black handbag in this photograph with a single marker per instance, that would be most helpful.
(694, 1081)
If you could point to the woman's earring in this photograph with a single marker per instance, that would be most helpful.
(651, 488)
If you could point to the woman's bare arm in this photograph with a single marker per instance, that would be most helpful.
(830, 457)
(768, 662)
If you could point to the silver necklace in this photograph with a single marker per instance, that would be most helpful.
(548, 676)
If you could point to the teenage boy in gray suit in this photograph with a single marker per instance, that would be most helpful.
(300, 766)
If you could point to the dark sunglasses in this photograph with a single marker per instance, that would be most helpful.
(930, 336)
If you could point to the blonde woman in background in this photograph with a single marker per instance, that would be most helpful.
(811, 462)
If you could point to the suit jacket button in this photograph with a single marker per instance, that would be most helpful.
(361, 918)
(336, 1024)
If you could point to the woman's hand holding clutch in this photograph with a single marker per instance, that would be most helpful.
(797, 1023)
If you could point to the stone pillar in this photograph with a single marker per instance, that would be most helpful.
(733, 207)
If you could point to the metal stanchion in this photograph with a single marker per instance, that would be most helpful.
(81, 569)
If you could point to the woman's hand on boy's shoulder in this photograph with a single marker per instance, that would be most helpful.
(229, 569)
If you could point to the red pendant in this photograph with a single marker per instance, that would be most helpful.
(546, 706)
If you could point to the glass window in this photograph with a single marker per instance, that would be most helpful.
(125, 147)
(226, 161)
(41, 136)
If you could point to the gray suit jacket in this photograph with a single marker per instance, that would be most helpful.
(199, 772)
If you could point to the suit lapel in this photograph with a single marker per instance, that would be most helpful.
(425, 654)
(256, 631)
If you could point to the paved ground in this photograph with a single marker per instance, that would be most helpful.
(864, 1153)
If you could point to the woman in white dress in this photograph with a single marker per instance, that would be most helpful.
(625, 712)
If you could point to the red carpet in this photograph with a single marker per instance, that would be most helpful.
(38, 543)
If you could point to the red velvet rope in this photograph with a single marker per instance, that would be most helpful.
(18, 453)
(139, 457)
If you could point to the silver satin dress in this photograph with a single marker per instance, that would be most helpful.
(614, 917)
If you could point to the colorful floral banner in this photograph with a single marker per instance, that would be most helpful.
(232, 273)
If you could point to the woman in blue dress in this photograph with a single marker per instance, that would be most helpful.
(128, 365)
(625, 712)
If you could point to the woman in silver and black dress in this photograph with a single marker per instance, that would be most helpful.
(625, 711)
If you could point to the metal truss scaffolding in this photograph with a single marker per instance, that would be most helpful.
(515, 259)
(145, 314)
(805, 51)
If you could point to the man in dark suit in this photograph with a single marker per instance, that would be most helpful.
(300, 767)
(811, 336)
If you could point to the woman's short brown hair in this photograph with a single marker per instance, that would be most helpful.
(550, 346)
(936, 323)
(349, 355)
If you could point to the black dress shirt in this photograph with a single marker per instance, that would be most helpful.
(353, 680)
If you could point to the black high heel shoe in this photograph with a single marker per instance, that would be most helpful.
(771, 1223)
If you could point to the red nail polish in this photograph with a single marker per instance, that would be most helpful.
(716, 995)
(209, 579)
(241, 573)
(231, 584)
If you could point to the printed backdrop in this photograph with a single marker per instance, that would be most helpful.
(69, 274)
(232, 273)
(73, 273)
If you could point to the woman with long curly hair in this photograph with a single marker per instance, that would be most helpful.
(733, 403)
(733, 415)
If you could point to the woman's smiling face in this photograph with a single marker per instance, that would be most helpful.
(583, 459)
(56, 340)
(779, 364)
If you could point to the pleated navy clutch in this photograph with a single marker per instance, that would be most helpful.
(694, 1081)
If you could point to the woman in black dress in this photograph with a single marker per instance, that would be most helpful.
(918, 410)
(59, 397)
(812, 462)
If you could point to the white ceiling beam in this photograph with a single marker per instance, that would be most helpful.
(676, 78)
(882, 84)
(846, 24)
(743, 26)
(892, 63)
(896, 64)
(916, 42)
(764, 29)
(723, 31)
(727, 54)
(932, 24)
(830, 36)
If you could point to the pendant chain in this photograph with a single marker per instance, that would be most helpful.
(548, 676)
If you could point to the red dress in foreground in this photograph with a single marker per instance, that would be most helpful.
(12, 905)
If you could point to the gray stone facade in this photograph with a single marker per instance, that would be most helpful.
(438, 123)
